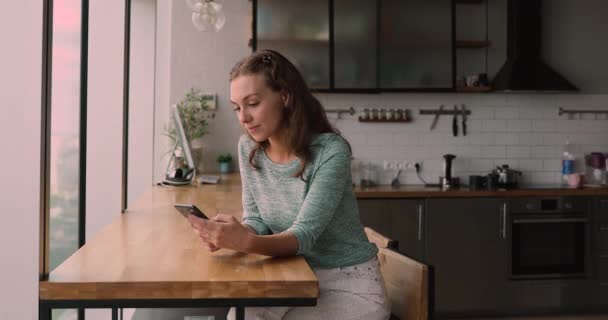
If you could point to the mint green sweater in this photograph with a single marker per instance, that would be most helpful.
(321, 213)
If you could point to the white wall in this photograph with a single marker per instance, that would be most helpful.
(141, 98)
(104, 119)
(104, 114)
(521, 130)
(20, 118)
(162, 80)
(203, 60)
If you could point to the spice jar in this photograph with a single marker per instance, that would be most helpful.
(375, 115)
(366, 115)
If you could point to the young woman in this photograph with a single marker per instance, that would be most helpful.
(297, 194)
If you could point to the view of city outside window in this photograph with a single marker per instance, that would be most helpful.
(65, 131)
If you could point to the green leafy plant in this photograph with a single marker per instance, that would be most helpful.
(224, 158)
(195, 113)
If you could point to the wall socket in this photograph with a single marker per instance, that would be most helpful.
(400, 165)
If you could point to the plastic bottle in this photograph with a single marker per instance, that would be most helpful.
(567, 161)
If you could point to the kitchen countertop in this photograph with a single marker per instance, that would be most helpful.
(226, 196)
(420, 191)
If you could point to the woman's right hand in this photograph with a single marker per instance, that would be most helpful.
(204, 238)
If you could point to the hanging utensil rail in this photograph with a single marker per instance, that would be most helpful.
(350, 111)
(563, 111)
(445, 111)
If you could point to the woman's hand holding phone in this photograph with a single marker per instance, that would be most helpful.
(222, 231)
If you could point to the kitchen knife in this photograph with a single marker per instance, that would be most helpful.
(455, 122)
(464, 120)
(436, 119)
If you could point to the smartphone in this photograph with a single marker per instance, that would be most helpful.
(187, 209)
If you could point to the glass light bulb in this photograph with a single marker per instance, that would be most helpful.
(198, 7)
(220, 21)
(193, 3)
(199, 22)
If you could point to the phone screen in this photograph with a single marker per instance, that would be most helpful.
(187, 209)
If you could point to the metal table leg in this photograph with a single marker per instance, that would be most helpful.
(44, 311)
(240, 313)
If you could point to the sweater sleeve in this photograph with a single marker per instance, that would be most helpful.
(251, 213)
(325, 194)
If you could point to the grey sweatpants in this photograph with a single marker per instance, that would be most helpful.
(354, 292)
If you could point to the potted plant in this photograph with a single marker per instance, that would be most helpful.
(195, 112)
(225, 161)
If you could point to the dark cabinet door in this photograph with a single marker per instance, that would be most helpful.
(600, 219)
(466, 244)
(416, 44)
(355, 44)
(398, 219)
(300, 31)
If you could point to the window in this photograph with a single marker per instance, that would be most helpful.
(65, 52)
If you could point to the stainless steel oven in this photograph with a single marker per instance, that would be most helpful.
(550, 238)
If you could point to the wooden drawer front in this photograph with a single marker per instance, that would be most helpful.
(603, 270)
(525, 205)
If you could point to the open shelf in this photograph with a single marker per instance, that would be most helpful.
(474, 89)
(473, 44)
(469, 1)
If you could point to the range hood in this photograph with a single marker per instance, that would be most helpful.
(524, 69)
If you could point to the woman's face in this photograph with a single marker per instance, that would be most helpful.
(259, 109)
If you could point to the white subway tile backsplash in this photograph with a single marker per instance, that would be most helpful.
(494, 152)
(545, 152)
(530, 165)
(552, 165)
(518, 152)
(543, 125)
(405, 139)
(529, 139)
(545, 177)
(528, 112)
(506, 139)
(493, 125)
(483, 139)
(481, 113)
(380, 139)
(483, 165)
(522, 130)
(553, 139)
(507, 113)
(519, 125)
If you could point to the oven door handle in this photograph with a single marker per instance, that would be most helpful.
(550, 220)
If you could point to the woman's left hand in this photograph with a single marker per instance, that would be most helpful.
(222, 231)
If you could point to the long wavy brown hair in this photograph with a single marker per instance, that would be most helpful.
(303, 117)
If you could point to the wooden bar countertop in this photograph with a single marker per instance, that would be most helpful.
(151, 252)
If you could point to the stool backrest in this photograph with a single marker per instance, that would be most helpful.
(406, 280)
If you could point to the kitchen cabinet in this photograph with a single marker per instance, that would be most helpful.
(355, 44)
(398, 219)
(416, 44)
(361, 45)
(466, 243)
(601, 244)
(300, 31)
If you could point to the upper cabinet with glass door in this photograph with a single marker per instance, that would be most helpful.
(416, 44)
(355, 44)
(300, 31)
(362, 45)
